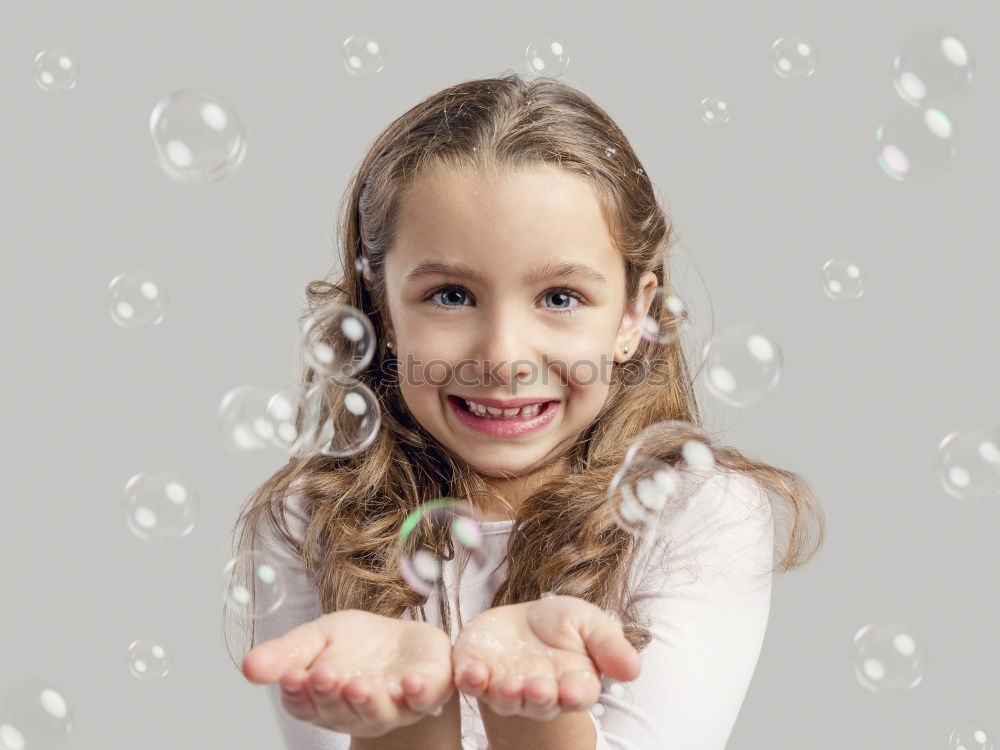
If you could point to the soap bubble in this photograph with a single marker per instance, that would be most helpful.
(136, 300)
(742, 365)
(159, 506)
(662, 467)
(55, 70)
(915, 143)
(34, 715)
(843, 278)
(363, 55)
(148, 659)
(793, 58)
(970, 735)
(714, 110)
(254, 585)
(449, 521)
(338, 340)
(197, 137)
(546, 56)
(666, 319)
(968, 463)
(888, 657)
(932, 66)
(248, 421)
(339, 418)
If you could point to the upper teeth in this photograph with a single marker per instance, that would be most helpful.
(482, 410)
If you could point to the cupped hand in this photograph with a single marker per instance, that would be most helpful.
(357, 672)
(538, 659)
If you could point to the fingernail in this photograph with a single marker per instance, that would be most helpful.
(291, 690)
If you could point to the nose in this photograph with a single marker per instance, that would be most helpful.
(507, 350)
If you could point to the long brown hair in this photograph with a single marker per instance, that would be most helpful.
(564, 538)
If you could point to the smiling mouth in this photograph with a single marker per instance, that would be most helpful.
(533, 411)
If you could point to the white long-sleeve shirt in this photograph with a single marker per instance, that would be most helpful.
(703, 588)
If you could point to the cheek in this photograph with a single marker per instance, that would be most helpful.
(583, 363)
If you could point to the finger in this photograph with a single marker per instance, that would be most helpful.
(608, 647)
(295, 695)
(295, 649)
(506, 696)
(418, 694)
(541, 698)
(370, 702)
(473, 679)
(325, 686)
(578, 691)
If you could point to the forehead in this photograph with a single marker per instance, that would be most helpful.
(499, 223)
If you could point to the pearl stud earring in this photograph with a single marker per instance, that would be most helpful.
(626, 350)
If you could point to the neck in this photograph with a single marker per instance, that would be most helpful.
(511, 492)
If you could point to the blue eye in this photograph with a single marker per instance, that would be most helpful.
(449, 289)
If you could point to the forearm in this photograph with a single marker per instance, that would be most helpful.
(572, 730)
(442, 732)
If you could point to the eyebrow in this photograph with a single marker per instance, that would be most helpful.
(545, 271)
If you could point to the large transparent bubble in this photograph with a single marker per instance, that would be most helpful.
(915, 144)
(968, 463)
(34, 715)
(843, 279)
(546, 56)
(663, 467)
(339, 418)
(148, 658)
(455, 525)
(742, 365)
(364, 55)
(197, 137)
(970, 735)
(714, 110)
(888, 657)
(136, 300)
(338, 340)
(253, 585)
(160, 505)
(793, 58)
(55, 70)
(932, 66)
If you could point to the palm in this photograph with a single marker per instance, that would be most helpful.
(384, 655)
(534, 658)
(378, 672)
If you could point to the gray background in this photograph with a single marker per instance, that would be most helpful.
(869, 387)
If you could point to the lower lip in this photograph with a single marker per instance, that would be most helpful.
(504, 427)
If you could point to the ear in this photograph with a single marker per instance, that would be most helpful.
(629, 332)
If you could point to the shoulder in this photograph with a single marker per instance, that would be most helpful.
(724, 526)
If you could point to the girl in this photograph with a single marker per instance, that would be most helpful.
(505, 243)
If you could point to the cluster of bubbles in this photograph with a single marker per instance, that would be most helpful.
(454, 523)
(335, 415)
(650, 488)
(932, 68)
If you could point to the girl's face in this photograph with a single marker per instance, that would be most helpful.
(479, 309)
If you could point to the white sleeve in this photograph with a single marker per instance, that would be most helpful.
(706, 598)
(301, 605)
